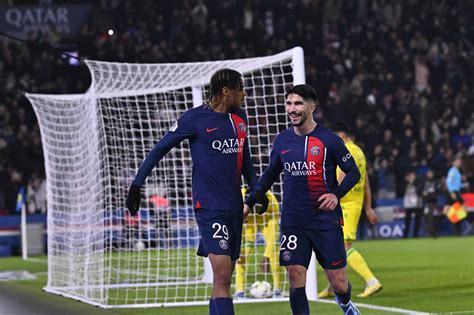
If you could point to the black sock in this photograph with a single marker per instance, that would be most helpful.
(221, 306)
(299, 301)
(344, 298)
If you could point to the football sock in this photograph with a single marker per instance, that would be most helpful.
(344, 298)
(239, 277)
(358, 264)
(221, 306)
(275, 268)
(299, 301)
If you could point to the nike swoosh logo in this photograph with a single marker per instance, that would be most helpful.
(335, 263)
(285, 151)
(211, 129)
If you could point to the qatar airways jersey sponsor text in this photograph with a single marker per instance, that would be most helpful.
(300, 168)
(228, 146)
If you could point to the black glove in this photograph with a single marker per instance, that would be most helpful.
(261, 201)
(133, 199)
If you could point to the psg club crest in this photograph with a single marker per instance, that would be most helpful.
(315, 150)
(223, 244)
(242, 127)
(286, 255)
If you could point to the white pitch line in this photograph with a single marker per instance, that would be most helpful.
(379, 308)
(455, 313)
(37, 260)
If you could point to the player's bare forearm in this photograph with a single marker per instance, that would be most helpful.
(246, 212)
(369, 212)
(367, 194)
(340, 177)
(372, 217)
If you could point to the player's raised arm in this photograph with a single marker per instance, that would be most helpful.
(181, 130)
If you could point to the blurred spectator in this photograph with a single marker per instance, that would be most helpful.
(412, 202)
(160, 214)
(199, 16)
(385, 180)
(401, 72)
(36, 195)
(431, 191)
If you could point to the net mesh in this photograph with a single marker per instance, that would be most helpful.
(93, 145)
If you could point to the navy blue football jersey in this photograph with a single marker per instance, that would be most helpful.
(220, 155)
(309, 165)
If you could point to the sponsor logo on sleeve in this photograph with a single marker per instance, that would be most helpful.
(346, 157)
(174, 127)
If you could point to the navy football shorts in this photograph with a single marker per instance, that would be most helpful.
(221, 232)
(296, 245)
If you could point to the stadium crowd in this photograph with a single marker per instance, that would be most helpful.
(399, 72)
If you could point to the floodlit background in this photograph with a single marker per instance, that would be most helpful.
(399, 72)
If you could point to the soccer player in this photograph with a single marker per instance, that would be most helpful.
(217, 132)
(311, 217)
(268, 226)
(360, 195)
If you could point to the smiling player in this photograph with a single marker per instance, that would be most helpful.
(217, 132)
(308, 154)
(359, 196)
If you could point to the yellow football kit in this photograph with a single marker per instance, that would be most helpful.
(352, 204)
(268, 224)
(353, 201)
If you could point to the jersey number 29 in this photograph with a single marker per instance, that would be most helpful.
(220, 228)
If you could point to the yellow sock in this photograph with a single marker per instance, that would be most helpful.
(239, 277)
(240, 267)
(357, 262)
(276, 274)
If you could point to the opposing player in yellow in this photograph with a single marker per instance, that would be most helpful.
(268, 224)
(360, 195)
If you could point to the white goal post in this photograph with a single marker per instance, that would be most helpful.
(94, 143)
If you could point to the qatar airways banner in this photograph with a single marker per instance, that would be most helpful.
(63, 20)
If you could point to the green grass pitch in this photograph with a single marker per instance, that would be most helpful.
(425, 275)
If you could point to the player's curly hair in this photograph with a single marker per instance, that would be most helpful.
(224, 78)
(306, 91)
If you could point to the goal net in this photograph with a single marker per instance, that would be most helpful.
(93, 145)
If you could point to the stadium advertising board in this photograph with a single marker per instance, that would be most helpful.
(54, 19)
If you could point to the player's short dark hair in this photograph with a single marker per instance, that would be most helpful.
(341, 126)
(224, 78)
(306, 91)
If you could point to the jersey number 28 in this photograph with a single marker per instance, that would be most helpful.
(291, 244)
